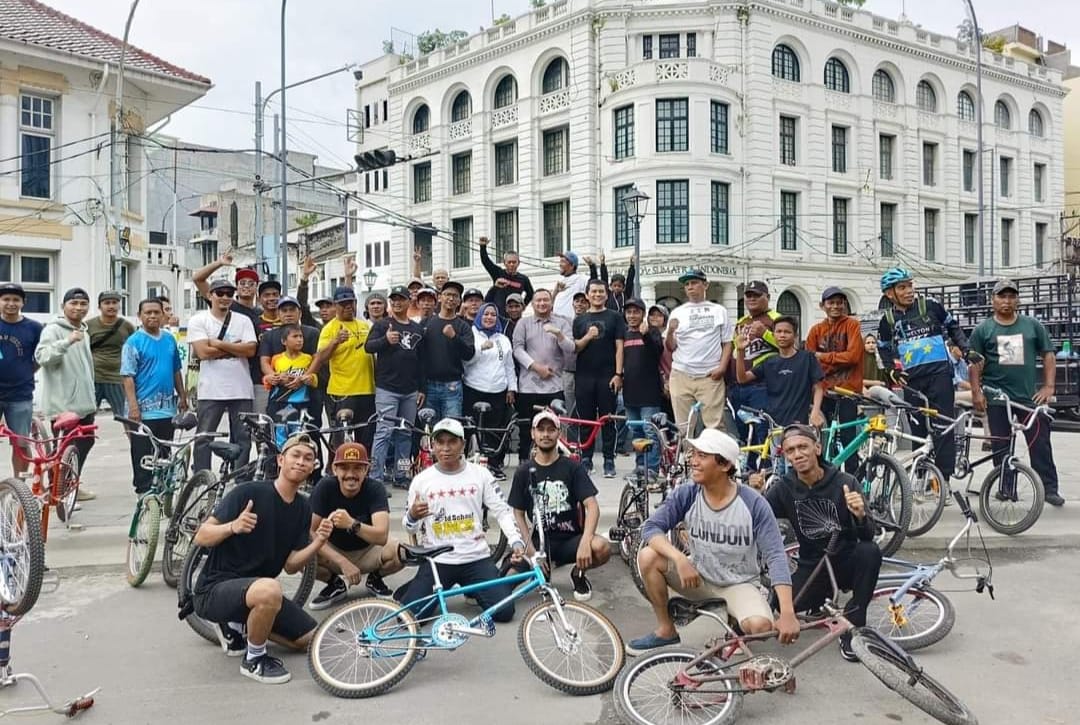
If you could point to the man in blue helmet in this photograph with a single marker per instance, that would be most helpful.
(911, 342)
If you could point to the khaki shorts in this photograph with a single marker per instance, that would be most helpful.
(366, 560)
(743, 600)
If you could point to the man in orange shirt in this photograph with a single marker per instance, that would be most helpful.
(837, 341)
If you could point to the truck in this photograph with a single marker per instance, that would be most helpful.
(1053, 300)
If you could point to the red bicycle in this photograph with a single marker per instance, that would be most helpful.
(572, 446)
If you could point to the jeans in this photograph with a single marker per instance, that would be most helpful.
(473, 572)
(362, 407)
(445, 398)
(1038, 439)
(525, 404)
(387, 434)
(114, 394)
(595, 399)
(209, 417)
(756, 396)
(644, 412)
(141, 446)
(17, 414)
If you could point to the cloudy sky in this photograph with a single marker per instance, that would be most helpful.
(235, 43)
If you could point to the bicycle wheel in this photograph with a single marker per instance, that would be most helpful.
(911, 683)
(633, 546)
(22, 550)
(634, 508)
(1012, 512)
(924, 617)
(582, 661)
(646, 693)
(143, 540)
(496, 539)
(889, 498)
(67, 488)
(39, 431)
(345, 663)
(929, 487)
(194, 503)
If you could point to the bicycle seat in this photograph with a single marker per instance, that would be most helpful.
(558, 407)
(413, 555)
(748, 418)
(185, 421)
(642, 445)
(65, 422)
(426, 415)
(481, 407)
(227, 451)
(344, 415)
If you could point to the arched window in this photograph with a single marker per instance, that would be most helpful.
(506, 92)
(884, 89)
(836, 76)
(1002, 116)
(556, 76)
(1035, 124)
(421, 120)
(788, 304)
(785, 64)
(462, 107)
(925, 97)
(965, 107)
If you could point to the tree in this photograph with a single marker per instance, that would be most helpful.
(995, 43)
(431, 40)
(537, 3)
(388, 47)
(306, 220)
(502, 20)
(856, 3)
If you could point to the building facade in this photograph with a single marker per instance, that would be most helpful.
(800, 142)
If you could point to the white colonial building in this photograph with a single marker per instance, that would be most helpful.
(800, 142)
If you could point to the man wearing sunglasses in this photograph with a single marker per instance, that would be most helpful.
(223, 342)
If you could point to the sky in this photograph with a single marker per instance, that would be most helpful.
(236, 42)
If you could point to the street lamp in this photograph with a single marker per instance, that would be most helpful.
(635, 204)
(370, 277)
(975, 38)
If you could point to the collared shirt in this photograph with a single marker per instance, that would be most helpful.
(533, 344)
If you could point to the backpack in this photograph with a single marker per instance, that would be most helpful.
(891, 316)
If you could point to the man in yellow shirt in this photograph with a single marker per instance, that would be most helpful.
(352, 369)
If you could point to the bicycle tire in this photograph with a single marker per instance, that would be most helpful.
(633, 547)
(193, 504)
(633, 506)
(39, 431)
(1032, 512)
(929, 487)
(942, 616)
(600, 644)
(642, 675)
(933, 699)
(20, 540)
(143, 545)
(887, 494)
(350, 641)
(496, 545)
(67, 489)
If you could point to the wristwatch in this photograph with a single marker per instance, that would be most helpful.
(355, 529)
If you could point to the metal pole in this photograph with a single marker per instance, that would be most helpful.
(979, 130)
(284, 231)
(636, 291)
(993, 217)
(258, 171)
(117, 138)
(277, 142)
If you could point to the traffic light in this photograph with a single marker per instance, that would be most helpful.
(378, 159)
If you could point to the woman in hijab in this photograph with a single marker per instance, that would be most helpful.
(489, 377)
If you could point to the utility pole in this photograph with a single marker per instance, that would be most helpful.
(277, 181)
(977, 41)
(118, 138)
(258, 171)
(283, 240)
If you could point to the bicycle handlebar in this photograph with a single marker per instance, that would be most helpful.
(141, 429)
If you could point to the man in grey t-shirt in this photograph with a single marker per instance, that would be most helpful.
(726, 526)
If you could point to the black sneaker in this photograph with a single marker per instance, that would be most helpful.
(582, 586)
(497, 472)
(232, 642)
(1055, 499)
(609, 468)
(402, 483)
(377, 586)
(266, 669)
(845, 648)
(335, 591)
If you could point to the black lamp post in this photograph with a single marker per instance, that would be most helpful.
(635, 205)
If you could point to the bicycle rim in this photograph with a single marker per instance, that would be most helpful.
(67, 488)
(22, 550)
(582, 660)
(924, 616)
(143, 544)
(1019, 505)
(928, 491)
(645, 693)
(889, 499)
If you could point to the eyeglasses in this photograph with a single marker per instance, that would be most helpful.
(224, 293)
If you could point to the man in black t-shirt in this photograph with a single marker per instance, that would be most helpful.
(259, 529)
(569, 509)
(642, 351)
(792, 377)
(598, 339)
(360, 543)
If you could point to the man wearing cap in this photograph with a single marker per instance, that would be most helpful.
(543, 345)
(258, 530)
(644, 397)
(505, 280)
(375, 307)
(448, 343)
(272, 343)
(699, 336)
(598, 340)
(67, 368)
(446, 506)
(758, 323)
(838, 344)
(471, 299)
(19, 337)
(325, 306)
(360, 542)
(515, 306)
(398, 346)
(729, 528)
(223, 341)
(1011, 343)
(569, 284)
(247, 285)
(108, 332)
(352, 368)
(415, 285)
(427, 299)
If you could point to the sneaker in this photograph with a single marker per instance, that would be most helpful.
(497, 472)
(232, 642)
(609, 468)
(85, 494)
(641, 645)
(377, 586)
(582, 587)
(1055, 499)
(335, 591)
(587, 465)
(845, 648)
(402, 483)
(266, 669)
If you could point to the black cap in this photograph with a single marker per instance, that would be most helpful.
(270, 284)
(286, 301)
(222, 283)
(472, 292)
(1005, 284)
(582, 295)
(454, 284)
(399, 291)
(635, 302)
(691, 274)
(830, 292)
(427, 290)
(757, 287)
(344, 294)
(76, 293)
(109, 294)
(12, 288)
(321, 301)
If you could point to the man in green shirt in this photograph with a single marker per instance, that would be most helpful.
(108, 332)
(1010, 343)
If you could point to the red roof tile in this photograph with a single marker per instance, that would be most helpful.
(31, 22)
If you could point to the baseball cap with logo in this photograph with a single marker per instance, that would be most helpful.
(717, 443)
(287, 301)
(399, 291)
(449, 425)
(472, 292)
(344, 294)
(76, 293)
(691, 274)
(757, 287)
(545, 415)
(351, 453)
(1005, 284)
(221, 283)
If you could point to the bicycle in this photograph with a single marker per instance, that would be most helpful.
(481, 454)
(568, 447)
(680, 684)
(634, 499)
(367, 647)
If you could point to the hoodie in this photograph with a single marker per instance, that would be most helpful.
(67, 370)
(816, 511)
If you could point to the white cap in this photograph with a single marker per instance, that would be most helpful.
(545, 415)
(717, 443)
(450, 426)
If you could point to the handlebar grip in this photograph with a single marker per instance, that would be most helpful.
(127, 421)
(616, 417)
(844, 391)
(538, 408)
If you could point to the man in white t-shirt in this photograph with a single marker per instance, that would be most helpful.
(699, 336)
(570, 283)
(224, 375)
